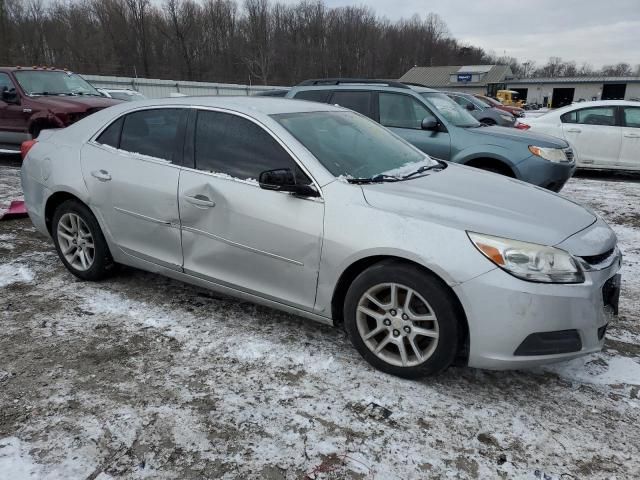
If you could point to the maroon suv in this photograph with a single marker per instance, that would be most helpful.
(33, 99)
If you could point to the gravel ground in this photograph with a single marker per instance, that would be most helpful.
(143, 377)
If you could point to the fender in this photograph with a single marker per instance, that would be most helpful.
(494, 152)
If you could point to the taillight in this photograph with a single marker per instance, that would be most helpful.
(25, 147)
(522, 126)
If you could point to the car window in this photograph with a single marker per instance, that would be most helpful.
(6, 83)
(156, 133)
(313, 95)
(591, 116)
(237, 147)
(111, 135)
(632, 117)
(357, 101)
(401, 111)
(450, 110)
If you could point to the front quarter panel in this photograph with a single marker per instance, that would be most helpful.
(355, 230)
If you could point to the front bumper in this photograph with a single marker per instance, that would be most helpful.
(503, 311)
(544, 173)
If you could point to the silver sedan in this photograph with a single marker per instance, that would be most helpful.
(319, 211)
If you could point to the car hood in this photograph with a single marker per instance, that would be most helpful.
(75, 104)
(513, 134)
(483, 202)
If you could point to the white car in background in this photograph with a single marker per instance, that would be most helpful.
(604, 134)
(125, 94)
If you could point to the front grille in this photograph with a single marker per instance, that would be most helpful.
(569, 153)
(597, 259)
(550, 343)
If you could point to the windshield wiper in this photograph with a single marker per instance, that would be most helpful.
(46, 94)
(423, 169)
(375, 179)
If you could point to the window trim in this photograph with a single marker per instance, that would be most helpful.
(414, 99)
(260, 124)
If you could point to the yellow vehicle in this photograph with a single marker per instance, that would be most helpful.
(509, 98)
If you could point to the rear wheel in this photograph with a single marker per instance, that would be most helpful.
(80, 243)
(402, 320)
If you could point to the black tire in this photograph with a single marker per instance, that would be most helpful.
(432, 290)
(103, 264)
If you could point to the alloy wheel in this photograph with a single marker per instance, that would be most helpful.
(76, 242)
(397, 324)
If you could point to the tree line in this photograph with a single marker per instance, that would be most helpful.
(256, 41)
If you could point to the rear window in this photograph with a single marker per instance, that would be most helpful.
(157, 133)
(313, 95)
(111, 136)
(605, 116)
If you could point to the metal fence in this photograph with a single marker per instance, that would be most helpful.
(153, 88)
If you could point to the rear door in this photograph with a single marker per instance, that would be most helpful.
(356, 100)
(403, 114)
(237, 234)
(630, 151)
(131, 171)
(595, 135)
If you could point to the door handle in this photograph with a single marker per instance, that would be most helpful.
(200, 201)
(101, 175)
(574, 130)
(632, 135)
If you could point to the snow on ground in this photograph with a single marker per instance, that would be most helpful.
(143, 377)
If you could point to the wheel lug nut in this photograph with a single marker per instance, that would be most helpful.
(405, 316)
(407, 329)
(393, 312)
(387, 322)
(396, 333)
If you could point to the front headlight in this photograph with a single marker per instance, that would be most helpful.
(507, 118)
(556, 155)
(529, 261)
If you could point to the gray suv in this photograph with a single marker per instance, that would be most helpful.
(481, 111)
(438, 126)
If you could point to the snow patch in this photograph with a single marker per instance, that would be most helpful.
(15, 461)
(15, 273)
(610, 371)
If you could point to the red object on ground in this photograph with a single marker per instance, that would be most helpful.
(16, 210)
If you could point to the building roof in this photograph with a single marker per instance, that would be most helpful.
(575, 80)
(439, 77)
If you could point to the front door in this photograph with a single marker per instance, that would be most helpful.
(630, 151)
(236, 234)
(403, 114)
(13, 119)
(594, 135)
(132, 171)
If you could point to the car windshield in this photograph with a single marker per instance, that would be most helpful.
(352, 146)
(41, 82)
(450, 110)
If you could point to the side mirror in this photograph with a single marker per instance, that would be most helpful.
(471, 107)
(9, 96)
(429, 123)
(283, 180)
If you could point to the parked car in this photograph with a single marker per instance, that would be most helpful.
(125, 94)
(515, 111)
(319, 211)
(481, 111)
(603, 134)
(272, 93)
(33, 99)
(441, 128)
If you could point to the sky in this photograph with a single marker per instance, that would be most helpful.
(599, 32)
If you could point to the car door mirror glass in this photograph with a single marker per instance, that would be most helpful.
(9, 96)
(283, 180)
(429, 123)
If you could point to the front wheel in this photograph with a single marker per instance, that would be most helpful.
(80, 243)
(402, 320)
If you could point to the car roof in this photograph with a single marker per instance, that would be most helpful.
(248, 105)
(32, 69)
(596, 103)
(364, 85)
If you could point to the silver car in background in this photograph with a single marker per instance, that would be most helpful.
(482, 111)
(319, 211)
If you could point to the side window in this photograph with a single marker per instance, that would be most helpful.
(313, 95)
(158, 133)
(569, 117)
(6, 83)
(111, 136)
(357, 101)
(401, 111)
(235, 146)
(597, 116)
(632, 117)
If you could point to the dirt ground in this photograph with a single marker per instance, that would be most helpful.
(143, 377)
